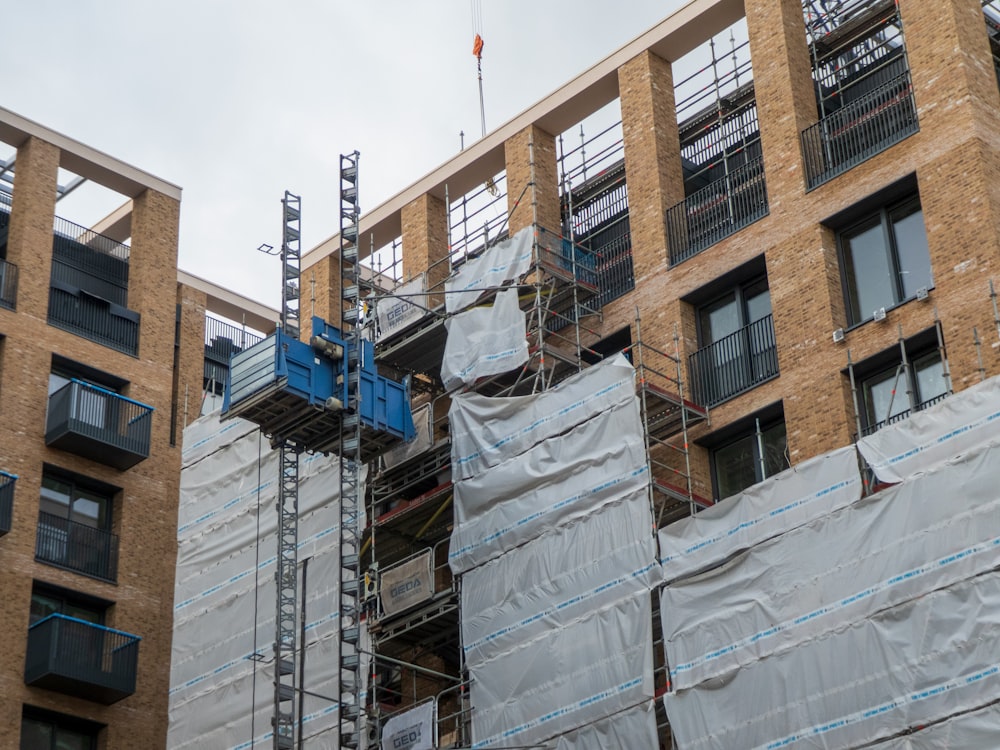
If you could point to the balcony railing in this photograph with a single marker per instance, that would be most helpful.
(870, 429)
(717, 211)
(97, 319)
(734, 364)
(222, 341)
(859, 130)
(98, 424)
(81, 659)
(7, 482)
(76, 546)
(8, 284)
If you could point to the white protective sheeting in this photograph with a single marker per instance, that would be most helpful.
(411, 730)
(422, 441)
(783, 502)
(497, 265)
(486, 431)
(585, 566)
(976, 730)
(407, 584)
(484, 341)
(901, 544)
(633, 728)
(565, 678)
(556, 481)
(912, 664)
(404, 306)
(953, 426)
(225, 591)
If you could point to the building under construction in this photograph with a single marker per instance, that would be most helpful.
(662, 416)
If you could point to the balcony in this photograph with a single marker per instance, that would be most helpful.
(75, 546)
(735, 363)
(77, 311)
(7, 482)
(716, 211)
(8, 284)
(81, 659)
(98, 424)
(859, 130)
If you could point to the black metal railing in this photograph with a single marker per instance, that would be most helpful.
(77, 546)
(716, 211)
(82, 659)
(8, 284)
(735, 363)
(859, 130)
(107, 323)
(7, 482)
(90, 261)
(100, 424)
(222, 341)
(873, 428)
(613, 252)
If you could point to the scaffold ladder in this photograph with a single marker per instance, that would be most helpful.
(285, 718)
(348, 651)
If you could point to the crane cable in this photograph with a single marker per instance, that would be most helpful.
(477, 50)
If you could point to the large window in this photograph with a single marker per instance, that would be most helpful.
(50, 600)
(736, 343)
(74, 525)
(749, 453)
(46, 730)
(885, 260)
(890, 387)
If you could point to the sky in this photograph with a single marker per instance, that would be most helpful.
(238, 100)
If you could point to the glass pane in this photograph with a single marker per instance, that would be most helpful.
(56, 382)
(930, 378)
(69, 740)
(84, 613)
(90, 509)
(758, 305)
(43, 605)
(35, 735)
(775, 449)
(720, 319)
(55, 497)
(736, 466)
(885, 396)
(868, 272)
(911, 249)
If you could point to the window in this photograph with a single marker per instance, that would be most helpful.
(884, 259)
(94, 403)
(735, 335)
(51, 600)
(748, 452)
(74, 525)
(46, 730)
(890, 388)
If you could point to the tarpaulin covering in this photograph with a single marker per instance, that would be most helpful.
(633, 728)
(976, 730)
(948, 428)
(503, 262)
(796, 496)
(405, 305)
(422, 441)
(225, 591)
(484, 341)
(411, 730)
(407, 584)
(898, 545)
(908, 665)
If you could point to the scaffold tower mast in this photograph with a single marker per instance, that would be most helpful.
(284, 719)
(351, 469)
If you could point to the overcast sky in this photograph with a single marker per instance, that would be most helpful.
(235, 101)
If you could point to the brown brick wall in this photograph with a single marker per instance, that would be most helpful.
(529, 202)
(425, 243)
(145, 510)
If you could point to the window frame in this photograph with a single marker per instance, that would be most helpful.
(769, 418)
(88, 731)
(879, 216)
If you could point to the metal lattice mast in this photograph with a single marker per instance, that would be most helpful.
(350, 475)
(284, 719)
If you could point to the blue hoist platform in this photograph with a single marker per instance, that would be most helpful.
(297, 392)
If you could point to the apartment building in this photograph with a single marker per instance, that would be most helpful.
(784, 213)
(89, 453)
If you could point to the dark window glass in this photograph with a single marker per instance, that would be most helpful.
(68, 500)
(885, 259)
(41, 733)
(739, 463)
(894, 392)
(45, 603)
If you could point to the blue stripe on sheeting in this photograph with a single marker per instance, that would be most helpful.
(480, 281)
(889, 461)
(540, 422)
(210, 438)
(559, 712)
(579, 497)
(243, 574)
(749, 524)
(577, 599)
(240, 659)
(867, 593)
(874, 711)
